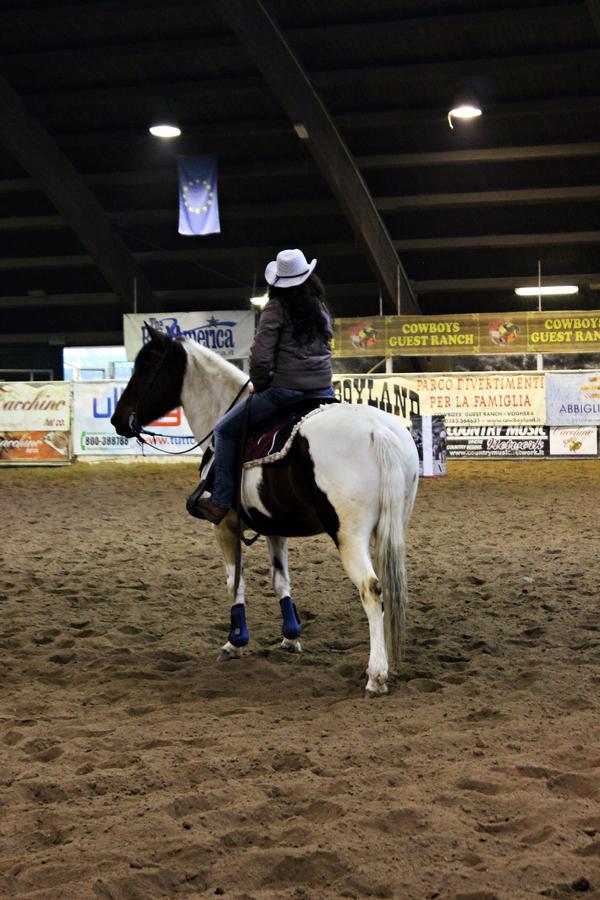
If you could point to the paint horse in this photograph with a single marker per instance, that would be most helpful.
(351, 471)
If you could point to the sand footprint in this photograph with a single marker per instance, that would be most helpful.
(571, 784)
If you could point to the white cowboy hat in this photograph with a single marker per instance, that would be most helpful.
(289, 269)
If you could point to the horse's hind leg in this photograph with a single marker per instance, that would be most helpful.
(280, 577)
(238, 635)
(356, 559)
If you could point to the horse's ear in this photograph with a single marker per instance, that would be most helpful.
(157, 337)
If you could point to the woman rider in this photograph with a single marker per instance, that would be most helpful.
(290, 359)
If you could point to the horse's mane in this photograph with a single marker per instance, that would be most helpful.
(212, 361)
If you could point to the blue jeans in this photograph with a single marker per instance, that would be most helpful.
(228, 432)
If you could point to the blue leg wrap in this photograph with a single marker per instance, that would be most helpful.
(238, 635)
(291, 623)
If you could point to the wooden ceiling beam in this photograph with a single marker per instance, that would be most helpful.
(540, 107)
(224, 254)
(200, 255)
(36, 151)
(67, 339)
(300, 165)
(348, 122)
(330, 31)
(580, 193)
(338, 79)
(258, 32)
(521, 196)
(524, 153)
(497, 241)
(508, 282)
(593, 8)
(201, 298)
(57, 301)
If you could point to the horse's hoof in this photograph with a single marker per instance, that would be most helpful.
(291, 646)
(228, 653)
(373, 695)
(375, 688)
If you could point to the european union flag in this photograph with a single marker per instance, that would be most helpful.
(198, 199)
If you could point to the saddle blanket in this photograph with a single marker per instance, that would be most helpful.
(274, 440)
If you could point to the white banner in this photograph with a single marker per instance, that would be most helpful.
(35, 406)
(93, 435)
(573, 398)
(462, 399)
(574, 441)
(497, 398)
(229, 333)
(392, 393)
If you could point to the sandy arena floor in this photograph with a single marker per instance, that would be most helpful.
(134, 766)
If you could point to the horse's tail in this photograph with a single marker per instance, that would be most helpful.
(396, 498)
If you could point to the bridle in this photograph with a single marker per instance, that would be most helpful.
(138, 431)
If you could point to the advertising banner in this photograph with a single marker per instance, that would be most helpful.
(574, 441)
(35, 405)
(35, 422)
(394, 394)
(468, 334)
(464, 399)
(497, 441)
(573, 398)
(26, 447)
(93, 435)
(483, 399)
(228, 333)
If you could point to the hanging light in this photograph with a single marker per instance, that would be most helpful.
(470, 110)
(547, 290)
(259, 302)
(164, 130)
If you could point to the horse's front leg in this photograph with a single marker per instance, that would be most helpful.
(226, 534)
(280, 577)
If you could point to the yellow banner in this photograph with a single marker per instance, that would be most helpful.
(468, 334)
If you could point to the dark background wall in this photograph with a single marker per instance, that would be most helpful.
(36, 357)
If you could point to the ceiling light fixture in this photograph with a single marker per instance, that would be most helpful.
(259, 302)
(548, 290)
(165, 131)
(301, 130)
(464, 111)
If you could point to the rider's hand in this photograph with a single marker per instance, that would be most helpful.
(250, 388)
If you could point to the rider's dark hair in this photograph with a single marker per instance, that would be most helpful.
(306, 307)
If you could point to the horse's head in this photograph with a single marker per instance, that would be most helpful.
(155, 385)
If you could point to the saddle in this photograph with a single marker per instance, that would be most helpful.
(268, 443)
(272, 438)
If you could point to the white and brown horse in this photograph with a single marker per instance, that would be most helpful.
(351, 472)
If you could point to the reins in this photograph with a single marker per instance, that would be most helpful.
(138, 430)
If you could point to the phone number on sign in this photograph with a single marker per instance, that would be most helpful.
(103, 440)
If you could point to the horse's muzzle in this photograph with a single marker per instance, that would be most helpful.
(125, 427)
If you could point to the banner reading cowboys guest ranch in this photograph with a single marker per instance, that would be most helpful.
(468, 334)
(229, 333)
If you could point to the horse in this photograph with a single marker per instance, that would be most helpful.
(352, 472)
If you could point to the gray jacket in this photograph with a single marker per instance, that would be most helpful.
(277, 360)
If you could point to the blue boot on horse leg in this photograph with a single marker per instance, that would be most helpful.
(291, 627)
(280, 578)
(238, 634)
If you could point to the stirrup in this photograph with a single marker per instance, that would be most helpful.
(190, 503)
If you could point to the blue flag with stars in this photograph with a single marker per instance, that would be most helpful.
(198, 199)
